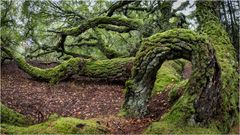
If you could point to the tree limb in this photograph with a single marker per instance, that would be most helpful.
(92, 23)
(117, 5)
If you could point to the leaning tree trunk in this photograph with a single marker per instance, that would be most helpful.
(114, 69)
(227, 59)
(210, 97)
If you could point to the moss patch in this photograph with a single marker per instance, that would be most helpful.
(177, 90)
(167, 128)
(57, 125)
(8, 116)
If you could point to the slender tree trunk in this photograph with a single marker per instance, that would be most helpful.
(225, 16)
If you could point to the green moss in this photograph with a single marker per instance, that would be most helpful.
(180, 120)
(92, 23)
(9, 116)
(118, 68)
(59, 125)
(226, 56)
(108, 68)
(63, 70)
(176, 91)
(122, 113)
(235, 128)
(176, 35)
(168, 128)
(166, 75)
(52, 75)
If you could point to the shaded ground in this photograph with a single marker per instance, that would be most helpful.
(78, 97)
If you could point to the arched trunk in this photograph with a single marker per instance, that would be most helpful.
(203, 87)
(210, 100)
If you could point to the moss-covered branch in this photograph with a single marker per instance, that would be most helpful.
(92, 23)
(117, 5)
(51, 75)
(118, 69)
(121, 29)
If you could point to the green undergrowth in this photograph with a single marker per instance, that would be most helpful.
(8, 116)
(169, 75)
(177, 91)
(57, 125)
(235, 129)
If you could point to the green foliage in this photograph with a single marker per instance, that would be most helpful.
(57, 125)
(8, 116)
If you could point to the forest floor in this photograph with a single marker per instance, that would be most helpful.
(78, 97)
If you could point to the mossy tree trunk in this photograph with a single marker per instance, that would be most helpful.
(227, 59)
(114, 69)
(175, 44)
(210, 97)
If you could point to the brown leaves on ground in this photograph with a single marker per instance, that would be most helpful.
(78, 97)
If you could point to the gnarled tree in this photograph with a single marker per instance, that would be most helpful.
(210, 98)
